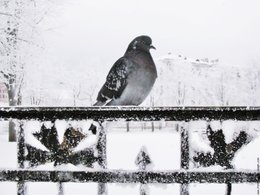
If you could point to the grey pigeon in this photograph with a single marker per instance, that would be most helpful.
(131, 78)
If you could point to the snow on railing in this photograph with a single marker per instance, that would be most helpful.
(132, 113)
(142, 176)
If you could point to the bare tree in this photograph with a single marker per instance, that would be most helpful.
(12, 69)
(76, 94)
(19, 19)
(222, 92)
(36, 99)
(91, 94)
(181, 93)
(253, 81)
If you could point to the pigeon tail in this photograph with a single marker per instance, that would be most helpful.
(99, 103)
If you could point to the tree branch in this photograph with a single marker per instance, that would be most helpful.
(6, 76)
(5, 14)
(29, 42)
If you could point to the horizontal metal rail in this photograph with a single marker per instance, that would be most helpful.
(132, 113)
(120, 176)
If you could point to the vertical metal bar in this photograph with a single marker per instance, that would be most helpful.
(144, 189)
(102, 188)
(12, 131)
(229, 188)
(152, 126)
(184, 148)
(229, 185)
(61, 190)
(160, 125)
(258, 168)
(184, 156)
(102, 157)
(127, 126)
(60, 184)
(184, 189)
(21, 186)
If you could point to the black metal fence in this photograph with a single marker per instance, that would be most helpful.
(103, 176)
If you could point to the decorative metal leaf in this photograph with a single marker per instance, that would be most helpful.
(223, 152)
(60, 153)
(143, 159)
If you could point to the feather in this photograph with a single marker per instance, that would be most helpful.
(116, 81)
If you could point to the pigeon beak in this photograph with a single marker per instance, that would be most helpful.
(152, 47)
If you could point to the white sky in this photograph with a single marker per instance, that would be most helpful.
(86, 31)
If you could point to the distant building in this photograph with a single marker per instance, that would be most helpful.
(3, 95)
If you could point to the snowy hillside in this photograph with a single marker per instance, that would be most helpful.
(202, 82)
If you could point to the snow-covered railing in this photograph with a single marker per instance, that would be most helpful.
(123, 176)
(132, 113)
(104, 175)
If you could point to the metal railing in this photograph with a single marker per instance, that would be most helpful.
(102, 176)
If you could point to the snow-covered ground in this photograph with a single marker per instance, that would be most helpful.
(163, 146)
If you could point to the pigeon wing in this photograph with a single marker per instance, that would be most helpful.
(116, 81)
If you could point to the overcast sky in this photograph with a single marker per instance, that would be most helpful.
(85, 31)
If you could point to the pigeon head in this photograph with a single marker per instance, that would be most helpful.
(141, 43)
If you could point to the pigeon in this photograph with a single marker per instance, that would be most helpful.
(132, 76)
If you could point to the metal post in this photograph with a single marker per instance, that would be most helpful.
(184, 156)
(61, 190)
(21, 186)
(144, 189)
(152, 126)
(229, 185)
(12, 131)
(142, 161)
(258, 168)
(229, 188)
(102, 157)
(127, 126)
